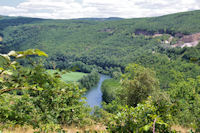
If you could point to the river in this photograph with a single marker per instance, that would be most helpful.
(94, 95)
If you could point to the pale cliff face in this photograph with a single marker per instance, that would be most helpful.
(1, 39)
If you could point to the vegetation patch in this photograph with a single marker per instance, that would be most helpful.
(109, 89)
(69, 76)
(90, 80)
(33, 97)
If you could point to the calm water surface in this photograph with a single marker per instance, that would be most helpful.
(94, 95)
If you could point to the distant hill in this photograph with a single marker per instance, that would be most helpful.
(100, 19)
(14, 21)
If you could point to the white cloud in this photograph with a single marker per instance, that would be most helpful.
(66, 9)
(7, 10)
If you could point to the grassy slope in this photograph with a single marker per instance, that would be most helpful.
(70, 76)
(109, 88)
(73, 76)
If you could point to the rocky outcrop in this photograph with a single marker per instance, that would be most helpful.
(191, 38)
(157, 35)
(1, 38)
(179, 35)
(183, 40)
(188, 41)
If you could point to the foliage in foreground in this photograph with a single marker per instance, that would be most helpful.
(142, 118)
(179, 105)
(139, 104)
(145, 117)
(185, 95)
(31, 96)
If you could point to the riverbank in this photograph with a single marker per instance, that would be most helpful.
(94, 95)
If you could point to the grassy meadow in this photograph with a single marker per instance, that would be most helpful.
(69, 76)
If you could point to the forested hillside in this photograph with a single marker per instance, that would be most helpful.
(154, 63)
(108, 44)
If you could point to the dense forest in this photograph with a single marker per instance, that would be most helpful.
(154, 64)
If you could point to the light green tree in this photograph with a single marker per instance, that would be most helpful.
(137, 84)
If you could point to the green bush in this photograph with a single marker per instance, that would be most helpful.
(90, 80)
(31, 96)
(145, 117)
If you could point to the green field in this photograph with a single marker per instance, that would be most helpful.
(70, 76)
(109, 89)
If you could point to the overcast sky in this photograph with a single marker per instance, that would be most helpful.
(67, 9)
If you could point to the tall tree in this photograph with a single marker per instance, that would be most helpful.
(137, 84)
